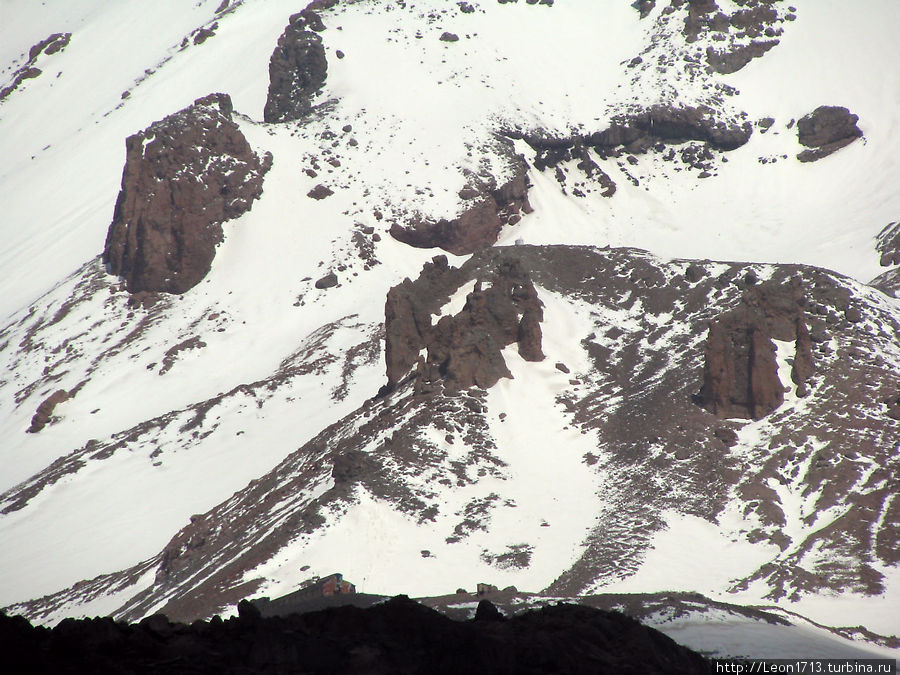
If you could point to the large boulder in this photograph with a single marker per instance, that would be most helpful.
(825, 130)
(184, 176)
(45, 410)
(297, 69)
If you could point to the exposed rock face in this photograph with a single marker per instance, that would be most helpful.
(462, 350)
(674, 124)
(479, 225)
(45, 410)
(297, 69)
(825, 130)
(184, 176)
(740, 377)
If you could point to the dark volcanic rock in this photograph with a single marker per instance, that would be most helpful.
(398, 636)
(673, 124)
(328, 281)
(49, 45)
(732, 60)
(887, 243)
(45, 410)
(465, 349)
(825, 130)
(320, 192)
(184, 176)
(297, 69)
(479, 225)
(740, 377)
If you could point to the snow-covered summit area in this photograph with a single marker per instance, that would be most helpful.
(229, 439)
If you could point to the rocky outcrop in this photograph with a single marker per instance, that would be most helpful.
(887, 244)
(825, 130)
(671, 124)
(477, 226)
(184, 176)
(45, 410)
(462, 350)
(732, 60)
(49, 45)
(740, 377)
(297, 69)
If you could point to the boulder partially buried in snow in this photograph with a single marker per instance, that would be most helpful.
(825, 130)
(184, 176)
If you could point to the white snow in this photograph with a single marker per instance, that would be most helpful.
(424, 113)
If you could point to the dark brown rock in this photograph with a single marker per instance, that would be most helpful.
(463, 350)
(184, 176)
(732, 60)
(694, 273)
(449, 37)
(476, 227)
(825, 130)
(803, 366)
(297, 70)
(320, 192)
(328, 281)
(740, 377)
(766, 390)
(673, 124)
(45, 410)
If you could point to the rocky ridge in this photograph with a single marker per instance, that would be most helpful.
(397, 636)
(657, 450)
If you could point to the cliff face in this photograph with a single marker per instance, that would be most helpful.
(184, 176)
(740, 377)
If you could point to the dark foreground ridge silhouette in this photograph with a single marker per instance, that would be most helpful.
(398, 636)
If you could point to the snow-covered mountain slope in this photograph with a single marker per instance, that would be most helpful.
(229, 441)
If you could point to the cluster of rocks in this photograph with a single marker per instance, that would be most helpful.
(477, 226)
(184, 176)
(656, 128)
(49, 45)
(740, 376)
(397, 636)
(825, 130)
(463, 350)
(190, 172)
(744, 35)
